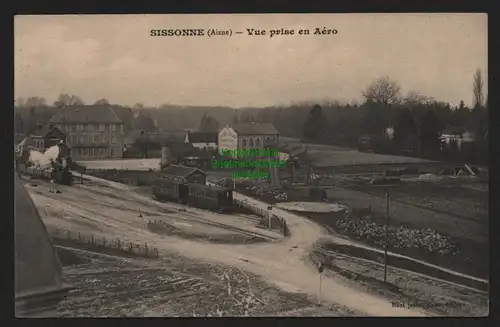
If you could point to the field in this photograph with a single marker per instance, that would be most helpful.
(334, 156)
(109, 286)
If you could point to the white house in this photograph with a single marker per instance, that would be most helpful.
(460, 135)
(252, 135)
(202, 140)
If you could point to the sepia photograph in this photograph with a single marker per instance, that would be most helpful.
(251, 165)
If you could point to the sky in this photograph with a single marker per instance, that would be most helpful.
(115, 57)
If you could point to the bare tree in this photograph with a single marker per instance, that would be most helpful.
(477, 88)
(101, 102)
(20, 102)
(383, 90)
(35, 101)
(66, 100)
(417, 98)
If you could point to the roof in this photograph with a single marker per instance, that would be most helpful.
(37, 267)
(44, 130)
(182, 171)
(454, 130)
(203, 137)
(164, 138)
(86, 114)
(255, 128)
(25, 144)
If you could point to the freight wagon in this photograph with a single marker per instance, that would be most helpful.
(194, 194)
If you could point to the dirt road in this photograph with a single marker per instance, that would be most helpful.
(280, 263)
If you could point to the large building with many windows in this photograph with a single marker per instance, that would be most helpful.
(93, 132)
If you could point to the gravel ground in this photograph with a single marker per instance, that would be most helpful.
(403, 287)
(137, 288)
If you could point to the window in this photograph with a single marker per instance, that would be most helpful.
(251, 142)
(113, 127)
(112, 152)
(79, 127)
(69, 128)
(244, 143)
(85, 152)
(267, 141)
(101, 127)
(121, 128)
(257, 142)
(101, 154)
(103, 138)
(82, 140)
(113, 139)
(92, 154)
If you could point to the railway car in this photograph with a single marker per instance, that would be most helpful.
(194, 194)
(59, 176)
(210, 197)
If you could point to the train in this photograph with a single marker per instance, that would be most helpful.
(53, 165)
(61, 176)
(197, 195)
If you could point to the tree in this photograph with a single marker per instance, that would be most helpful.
(415, 98)
(477, 89)
(20, 102)
(383, 91)
(65, 100)
(138, 105)
(101, 102)
(235, 119)
(313, 127)
(18, 124)
(208, 124)
(247, 119)
(144, 122)
(35, 101)
(405, 129)
(430, 127)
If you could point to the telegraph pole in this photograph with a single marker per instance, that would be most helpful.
(269, 210)
(387, 198)
(320, 270)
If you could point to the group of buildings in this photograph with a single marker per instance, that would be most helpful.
(98, 132)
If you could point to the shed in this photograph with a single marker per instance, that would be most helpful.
(189, 174)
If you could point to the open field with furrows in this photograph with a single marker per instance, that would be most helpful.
(333, 156)
(457, 210)
(106, 286)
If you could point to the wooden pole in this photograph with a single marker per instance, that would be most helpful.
(320, 286)
(269, 215)
(386, 233)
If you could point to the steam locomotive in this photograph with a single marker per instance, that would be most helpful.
(195, 194)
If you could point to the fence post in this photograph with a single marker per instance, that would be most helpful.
(92, 239)
(118, 244)
(69, 235)
(79, 236)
